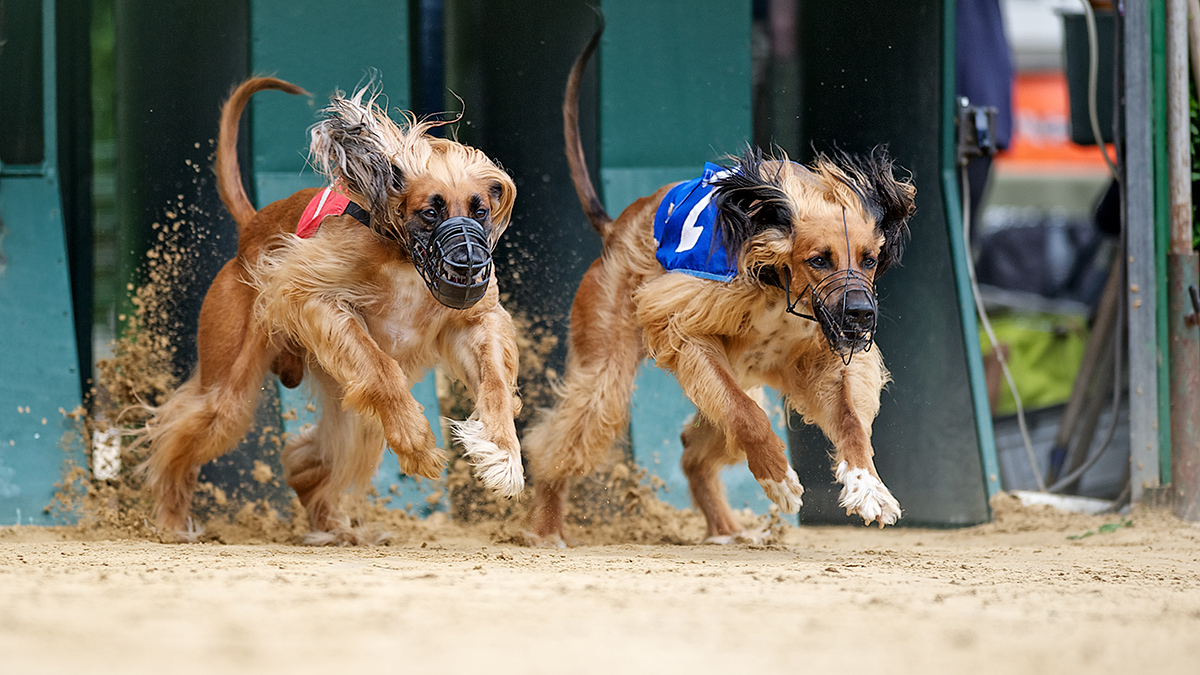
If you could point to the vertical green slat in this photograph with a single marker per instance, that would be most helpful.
(950, 181)
(320, 47)
(49, 89)
(1162, 226)
(674, 91)
(882, 79)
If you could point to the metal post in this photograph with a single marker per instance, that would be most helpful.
(1139, 224)
(1182, 268)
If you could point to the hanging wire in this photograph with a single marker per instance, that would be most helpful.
(1093, 69)
(991, 335)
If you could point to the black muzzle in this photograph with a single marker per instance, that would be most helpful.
(845, 307)
(457, 263)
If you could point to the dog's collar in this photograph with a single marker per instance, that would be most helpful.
(358, 213)
(329, 202)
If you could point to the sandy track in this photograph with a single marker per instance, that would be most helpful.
(1015, 597)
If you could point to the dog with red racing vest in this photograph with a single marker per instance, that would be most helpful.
(388, 274)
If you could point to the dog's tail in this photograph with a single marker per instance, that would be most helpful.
(574, 147)
(229, 175)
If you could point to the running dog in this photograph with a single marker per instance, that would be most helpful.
(760, 273)
(361, 287)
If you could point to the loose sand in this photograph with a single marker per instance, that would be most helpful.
(1013, 596)
(450, 596)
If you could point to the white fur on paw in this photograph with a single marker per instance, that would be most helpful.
(350, 536)
(191, 535)
(344, 533)
(785, 494)
(498, 469)
(552, 540)
(867, 496)
(752, 537)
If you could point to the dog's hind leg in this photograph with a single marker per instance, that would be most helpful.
(207, 414)
(705, 452)
(340, 453)
(593, 407)
(484, 356)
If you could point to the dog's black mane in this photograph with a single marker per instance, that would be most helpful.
(750, 201)
(887, 200)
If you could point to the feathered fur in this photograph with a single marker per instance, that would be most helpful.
(345, 309)
(721, 339)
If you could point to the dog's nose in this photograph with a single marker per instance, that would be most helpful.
(468, 251)
(857, 310)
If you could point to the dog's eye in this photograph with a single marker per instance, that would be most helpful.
(818, 262)
(480, 214)
(429, 214)
(868, 263)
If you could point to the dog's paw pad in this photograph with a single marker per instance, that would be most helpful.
(499, 470)
(786, 493)
(867, 496)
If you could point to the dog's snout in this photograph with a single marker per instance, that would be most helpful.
(857, 309)
(462, 250)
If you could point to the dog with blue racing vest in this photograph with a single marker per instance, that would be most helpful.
(759, 273)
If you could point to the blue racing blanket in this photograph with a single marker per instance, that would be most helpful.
(685, 228)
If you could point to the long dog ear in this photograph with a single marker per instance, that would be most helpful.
(349, 146)
(891, 201)
(504, 191)
(750, 200)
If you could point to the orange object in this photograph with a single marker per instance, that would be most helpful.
(1041, 138)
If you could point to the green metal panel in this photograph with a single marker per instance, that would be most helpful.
(38, 370)
(38, 364)
(881, 79)
(301, 42)
(322, 48)
(674, 93)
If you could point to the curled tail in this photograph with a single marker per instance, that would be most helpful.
(592, 206)
(229, 175)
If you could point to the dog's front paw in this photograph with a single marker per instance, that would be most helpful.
(416, 448)
(189, 533)
(867, 496)
(551, 540)
(498, 469)
(428, 463)
(347, 536)
(786, 493)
